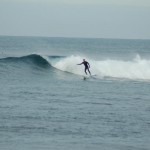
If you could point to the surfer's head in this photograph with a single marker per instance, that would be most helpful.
(83, 59)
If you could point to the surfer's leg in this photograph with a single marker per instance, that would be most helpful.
(89, 71)
(85, 71)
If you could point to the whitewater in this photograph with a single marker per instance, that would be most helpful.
(45, 103)
(135, 69)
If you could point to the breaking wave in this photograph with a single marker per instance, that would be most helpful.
(135, 69)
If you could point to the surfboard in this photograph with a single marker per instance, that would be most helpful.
(89, 76)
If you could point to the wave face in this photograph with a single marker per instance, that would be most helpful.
(22, 67)
(135, 69)
(36, 59)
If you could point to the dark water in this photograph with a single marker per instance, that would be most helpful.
(45, 103)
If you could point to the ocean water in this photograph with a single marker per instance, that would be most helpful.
(45, 103)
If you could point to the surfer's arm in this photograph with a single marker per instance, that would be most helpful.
(80, 63)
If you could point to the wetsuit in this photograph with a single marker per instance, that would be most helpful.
(86, 64)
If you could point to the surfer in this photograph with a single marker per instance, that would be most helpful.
(87, 66)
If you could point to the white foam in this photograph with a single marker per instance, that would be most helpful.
(134, 69)
(69, 64)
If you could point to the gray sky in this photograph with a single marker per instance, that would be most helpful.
(76, 18)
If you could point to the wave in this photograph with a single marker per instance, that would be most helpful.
(135, 69)
(33, 58)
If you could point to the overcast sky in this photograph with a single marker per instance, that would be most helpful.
(76, 18)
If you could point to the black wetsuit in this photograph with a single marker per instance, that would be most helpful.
(86, 64)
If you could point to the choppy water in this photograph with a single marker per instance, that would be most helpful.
(45, 103)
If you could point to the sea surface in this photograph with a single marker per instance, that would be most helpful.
(45, 103)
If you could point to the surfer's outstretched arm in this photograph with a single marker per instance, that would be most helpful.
(80, 64)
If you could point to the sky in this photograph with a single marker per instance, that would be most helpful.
(123, 19)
